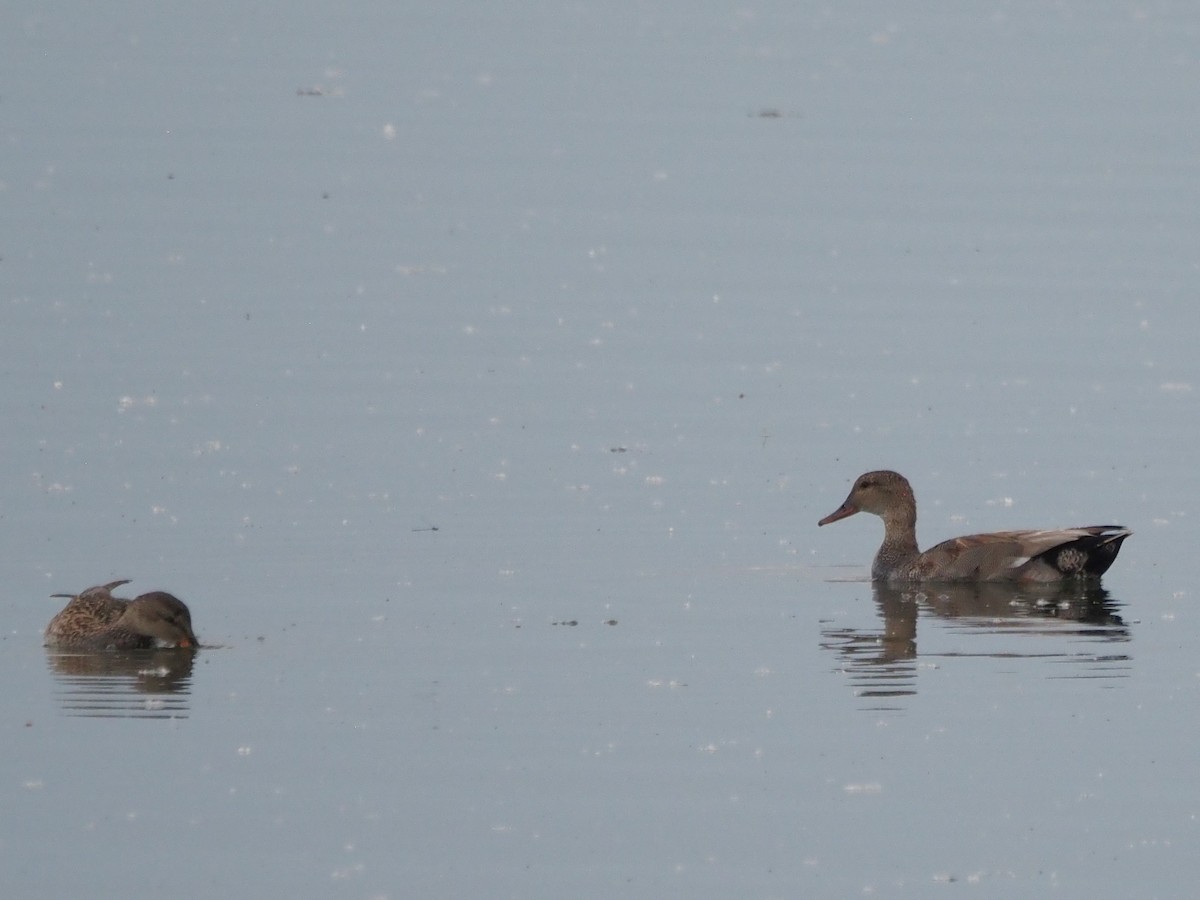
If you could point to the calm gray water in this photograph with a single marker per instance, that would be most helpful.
(478, 376)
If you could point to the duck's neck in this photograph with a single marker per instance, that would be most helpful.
(899, 546)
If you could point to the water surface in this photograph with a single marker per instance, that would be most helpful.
(478, 378)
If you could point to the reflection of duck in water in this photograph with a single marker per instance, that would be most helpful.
(995, 605)
(96, 620)
(1073, 622)
(1021, 556)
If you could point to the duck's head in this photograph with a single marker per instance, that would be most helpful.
(884, 493)
(161, 616)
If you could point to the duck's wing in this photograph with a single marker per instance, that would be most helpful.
(83, 618)
(974, 557)
(1034, 555)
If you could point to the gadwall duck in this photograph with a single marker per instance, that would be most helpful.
(96, 620)
(1038, 556)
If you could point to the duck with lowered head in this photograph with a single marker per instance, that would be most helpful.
(1018, 556)
(96, 620)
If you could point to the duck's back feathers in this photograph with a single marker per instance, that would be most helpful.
(1035, 555)
(90, 612)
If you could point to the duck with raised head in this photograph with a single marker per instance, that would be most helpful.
(96, 620)
(1018, 556)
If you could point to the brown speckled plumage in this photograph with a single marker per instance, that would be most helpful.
(1021, 556)
(96, 620)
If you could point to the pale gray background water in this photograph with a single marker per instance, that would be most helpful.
(478, 375)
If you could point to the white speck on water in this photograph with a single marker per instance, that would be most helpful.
(869, 787)
(127, 402)
(54, 487)
(347, 872)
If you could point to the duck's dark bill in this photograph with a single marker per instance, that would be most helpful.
(846, 509)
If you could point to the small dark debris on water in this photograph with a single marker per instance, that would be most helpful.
(618, 449)
(572, 623)
(315, 91)
(427, 528)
